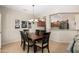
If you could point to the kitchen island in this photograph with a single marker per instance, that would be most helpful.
(62, 35)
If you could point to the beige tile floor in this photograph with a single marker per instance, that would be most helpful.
(55, 47)
(0, 49)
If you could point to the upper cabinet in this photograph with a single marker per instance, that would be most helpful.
(41, 23)
(65, 21)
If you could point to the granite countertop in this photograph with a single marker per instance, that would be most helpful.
(64, 30)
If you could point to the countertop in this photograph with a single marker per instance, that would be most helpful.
(64, 30)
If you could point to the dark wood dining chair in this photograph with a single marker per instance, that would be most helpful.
(75, 41)
(44, 43)
(21, 38)
(42, 32)
(26, 31)
(37, 32)
(26, 41)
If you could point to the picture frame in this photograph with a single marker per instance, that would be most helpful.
(29, 24)
(17, 24)
(24, 24)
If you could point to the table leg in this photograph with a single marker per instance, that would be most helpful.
(24, 45)
(34, 47)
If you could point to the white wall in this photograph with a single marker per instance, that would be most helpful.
(72, 22)
(52, 9)
(77, 21)
(0, 30)
(9, 33)
(33, 27)
(48, 24)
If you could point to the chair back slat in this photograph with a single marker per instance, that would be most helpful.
(24, 36)
(37, 32)
(46, 37)
(40, 32)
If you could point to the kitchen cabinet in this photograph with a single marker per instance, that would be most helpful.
(41, 23)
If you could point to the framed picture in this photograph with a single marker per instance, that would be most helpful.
(29, 24)
(17, 23)
(24, 24)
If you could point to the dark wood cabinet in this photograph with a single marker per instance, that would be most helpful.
(41, 23)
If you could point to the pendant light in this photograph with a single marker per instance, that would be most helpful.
(33, 14)
(33, 20)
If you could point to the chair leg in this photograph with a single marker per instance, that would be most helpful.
(42, 50)
(28, 50)
(48, 49)
(35, 48)
(21, 43)
(24, 46)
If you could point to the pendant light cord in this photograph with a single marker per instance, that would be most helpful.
(33, 13)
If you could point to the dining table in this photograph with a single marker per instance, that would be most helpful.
(35, 38)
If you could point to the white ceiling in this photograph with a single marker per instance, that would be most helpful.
(42, 10)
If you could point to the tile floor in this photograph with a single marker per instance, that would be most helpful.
(55, 47)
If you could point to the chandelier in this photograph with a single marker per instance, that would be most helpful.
(33, 20)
